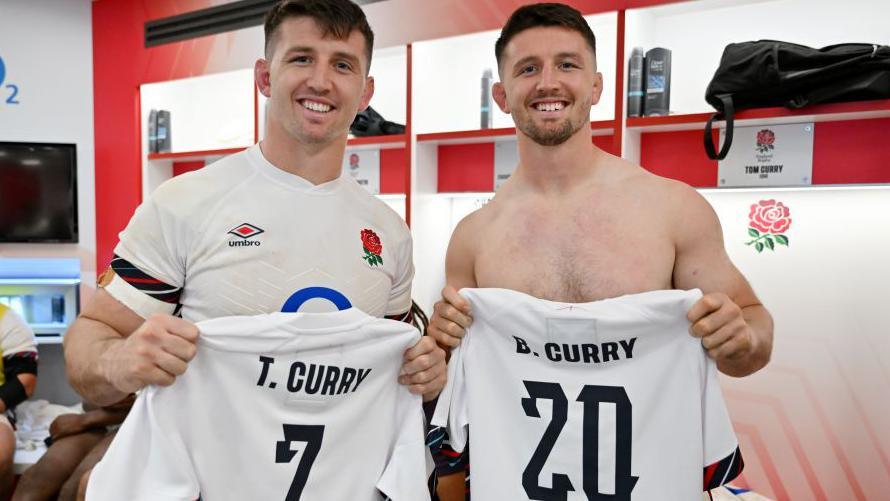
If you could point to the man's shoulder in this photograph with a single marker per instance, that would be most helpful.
(475, 223)
(212, 181)
(658, 190)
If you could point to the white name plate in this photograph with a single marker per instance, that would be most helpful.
(364, 166)
(768, 155)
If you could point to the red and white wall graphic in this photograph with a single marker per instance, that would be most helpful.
(814, 423)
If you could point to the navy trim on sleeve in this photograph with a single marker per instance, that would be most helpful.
(144, 282)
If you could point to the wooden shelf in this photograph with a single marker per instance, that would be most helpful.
(833, 112)
(598, 128)
(384, 142)
(194, 155)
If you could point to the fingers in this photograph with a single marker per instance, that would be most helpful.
(424, 370)
(155, 354)
(448, 324)
(423, 355)
(159, 377)
(707, 304)
(170, 364)
(735, 345)
(179, 347)
(176, 326)
(449, 312)
(450, 295)
(727, 313)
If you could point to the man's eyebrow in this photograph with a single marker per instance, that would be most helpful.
(524, 61)
(574, 55)
(348, 56)
(299, 49)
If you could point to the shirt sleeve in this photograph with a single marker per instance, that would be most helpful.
(722, 461)
(16, 336)
(400, 295)
(451, 411)
(150, 257)
(410, 465)
(147, 459)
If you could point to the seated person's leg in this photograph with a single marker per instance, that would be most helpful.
(44, 480)
(76, 486)
(7, 452)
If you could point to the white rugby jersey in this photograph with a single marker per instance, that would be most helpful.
(580, 401)
(239, 236)
(277, 407)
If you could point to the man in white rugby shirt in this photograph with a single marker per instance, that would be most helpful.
(576, 224)
(240, 236)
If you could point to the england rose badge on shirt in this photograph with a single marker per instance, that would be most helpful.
(373, 247)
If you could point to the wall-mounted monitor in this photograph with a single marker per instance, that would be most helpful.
(38, 192)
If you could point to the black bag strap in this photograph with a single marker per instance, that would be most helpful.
(729, 114)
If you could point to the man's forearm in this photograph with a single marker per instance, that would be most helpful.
(760, 323)
(86, 342)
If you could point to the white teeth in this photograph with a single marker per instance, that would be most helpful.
(319, 107)
(549, 106)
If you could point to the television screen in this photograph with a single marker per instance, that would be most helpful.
(38, 192)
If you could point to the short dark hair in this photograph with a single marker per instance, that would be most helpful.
(543, 15)
(337, 18)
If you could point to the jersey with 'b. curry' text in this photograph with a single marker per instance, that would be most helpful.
(611, 399)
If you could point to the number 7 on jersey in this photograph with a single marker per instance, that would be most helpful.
(312, 435)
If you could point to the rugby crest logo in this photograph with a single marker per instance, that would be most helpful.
(768, 221)
(372, 247)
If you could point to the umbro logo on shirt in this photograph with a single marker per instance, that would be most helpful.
(245, 231)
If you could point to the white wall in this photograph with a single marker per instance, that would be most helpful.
(47, 47)
(447, 82)
(697, 32)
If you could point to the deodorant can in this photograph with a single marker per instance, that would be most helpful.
(658, 82)
(485, 108)
(635, 94)
(153, 131)
(163, 131)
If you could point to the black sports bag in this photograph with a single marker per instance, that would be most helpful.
(371, 123)
(771, 73)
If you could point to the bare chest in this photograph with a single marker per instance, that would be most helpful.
(576, 255)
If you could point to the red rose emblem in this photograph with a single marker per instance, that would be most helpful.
(373, 247)
(769, 216)
(766, 137)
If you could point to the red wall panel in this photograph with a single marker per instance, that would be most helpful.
(121, 63)
(679, 155)
(188, 166)
(392, 170)
(466, 167)
(606, 143)
(852, 152)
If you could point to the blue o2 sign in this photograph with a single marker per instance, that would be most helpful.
(10, 91)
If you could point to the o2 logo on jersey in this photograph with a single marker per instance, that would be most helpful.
(12, 89)
(591, 396)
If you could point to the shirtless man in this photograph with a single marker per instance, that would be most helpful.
(577, 224)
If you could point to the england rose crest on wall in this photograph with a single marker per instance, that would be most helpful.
(768, 221)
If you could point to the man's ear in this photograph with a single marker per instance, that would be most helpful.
(597, 88)
(367, 94)
(500, 97)
(262, 77)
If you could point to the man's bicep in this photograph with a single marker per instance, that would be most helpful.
(105, 309)
(701, 260)
(461, 256)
